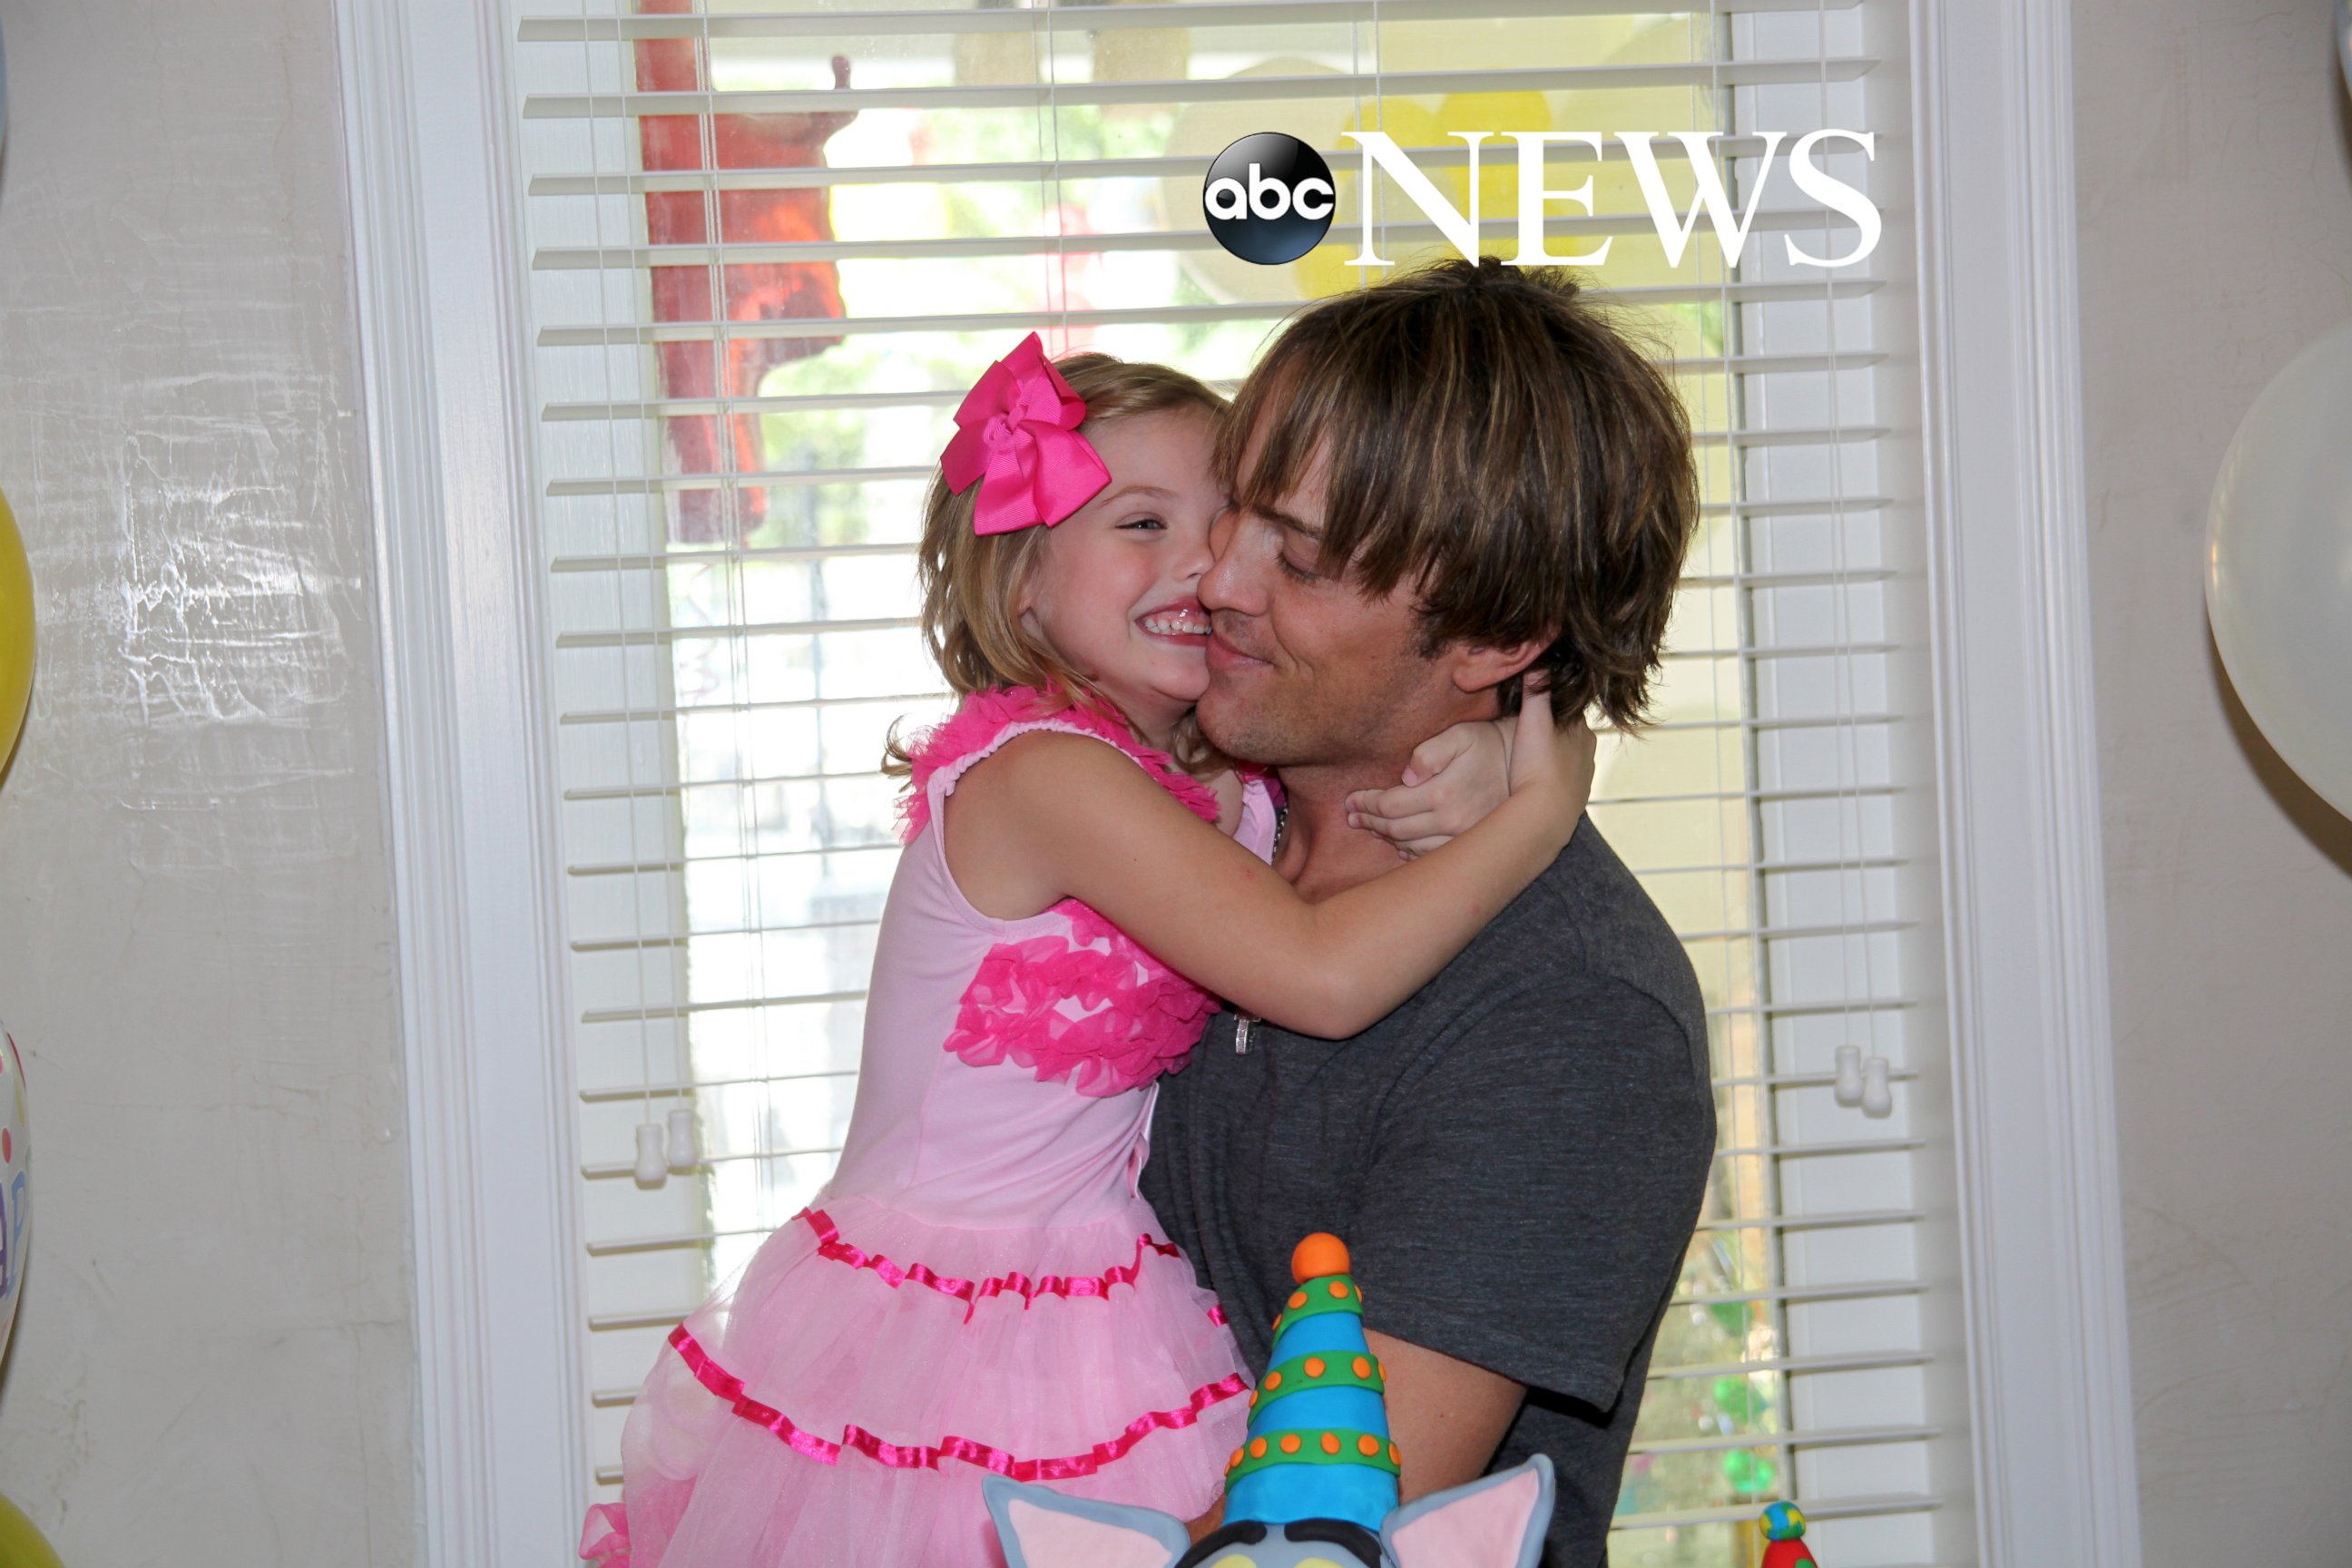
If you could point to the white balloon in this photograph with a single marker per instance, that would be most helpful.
(2278, 572)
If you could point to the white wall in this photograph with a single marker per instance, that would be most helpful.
(214, 1361)
(2215, 181)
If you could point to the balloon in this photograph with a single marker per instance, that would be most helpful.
(2343, 40)
(15, 633)
(15, 1160)
(21, 1545)
(2278, 575)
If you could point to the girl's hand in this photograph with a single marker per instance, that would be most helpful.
(1553, 761)
(1454, 778)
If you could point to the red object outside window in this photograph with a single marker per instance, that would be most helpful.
(752, 291)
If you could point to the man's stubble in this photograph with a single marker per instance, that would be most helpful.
(1374, 716)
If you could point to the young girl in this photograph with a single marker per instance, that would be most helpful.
(979, 1288)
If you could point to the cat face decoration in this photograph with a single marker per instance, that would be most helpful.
(1314, 1484)
(1495, 1521)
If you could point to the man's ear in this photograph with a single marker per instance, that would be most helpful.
(1496, 1521)
(1482, 666)
(1042, 1529)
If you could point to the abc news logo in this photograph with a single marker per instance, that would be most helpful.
(1269, 198)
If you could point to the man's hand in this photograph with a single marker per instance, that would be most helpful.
(1447, 1417)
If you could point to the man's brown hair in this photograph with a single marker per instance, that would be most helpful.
(1497, 441)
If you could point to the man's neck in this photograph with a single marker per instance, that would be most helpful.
(1321, 855)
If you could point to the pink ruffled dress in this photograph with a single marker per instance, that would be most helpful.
(979, 1288)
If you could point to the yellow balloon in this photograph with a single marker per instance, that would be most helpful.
(21, 1546)
(1499, 160)
(15, 633)
(1324, 270)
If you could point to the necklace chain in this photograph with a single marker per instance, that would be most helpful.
(1244, 1019)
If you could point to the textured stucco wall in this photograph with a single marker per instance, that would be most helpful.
(215, 1359)
(2215, 181)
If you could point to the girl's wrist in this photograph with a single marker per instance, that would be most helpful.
(1545, 801)
(1555, 796)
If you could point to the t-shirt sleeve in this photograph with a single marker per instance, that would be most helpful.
(1530, 1196)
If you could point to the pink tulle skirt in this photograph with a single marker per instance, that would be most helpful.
(840, 1402)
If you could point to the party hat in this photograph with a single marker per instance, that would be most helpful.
(1319, 1441)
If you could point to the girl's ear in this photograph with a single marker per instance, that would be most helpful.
(1043, 1528)
(1496, 1521)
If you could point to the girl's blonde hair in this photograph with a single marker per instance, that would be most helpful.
(973, 582)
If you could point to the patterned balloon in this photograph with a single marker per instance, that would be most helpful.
(16, 1154)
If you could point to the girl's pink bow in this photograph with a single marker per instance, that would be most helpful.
(1017, 433)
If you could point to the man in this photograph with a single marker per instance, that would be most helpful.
(1440, 484)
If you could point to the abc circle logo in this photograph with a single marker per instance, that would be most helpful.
(1269, 198)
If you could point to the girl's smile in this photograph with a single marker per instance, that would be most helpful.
(1182, 621)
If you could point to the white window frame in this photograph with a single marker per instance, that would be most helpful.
(2034, 1228)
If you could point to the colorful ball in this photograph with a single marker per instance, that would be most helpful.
(1784, 1521)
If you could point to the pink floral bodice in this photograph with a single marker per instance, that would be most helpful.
(1009, 1066)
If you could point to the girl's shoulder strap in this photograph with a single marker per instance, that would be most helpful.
(984, 720)
(1266, 778)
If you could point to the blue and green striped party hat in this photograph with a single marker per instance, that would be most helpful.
(1319, 1441)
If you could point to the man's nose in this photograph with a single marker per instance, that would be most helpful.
(1221, 586)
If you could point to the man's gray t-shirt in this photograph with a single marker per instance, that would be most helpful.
(1515, 1158)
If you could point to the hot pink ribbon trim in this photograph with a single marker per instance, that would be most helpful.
(728, 1386)
(973, 1292)
(982, 715)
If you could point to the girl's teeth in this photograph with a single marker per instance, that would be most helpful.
(1175, 626)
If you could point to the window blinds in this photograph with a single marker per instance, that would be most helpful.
(768, 251)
